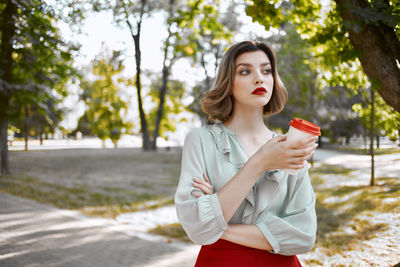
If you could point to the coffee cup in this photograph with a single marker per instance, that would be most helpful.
(300, 129)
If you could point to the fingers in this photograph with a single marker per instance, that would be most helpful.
(197, 194)
(298, 166)
(305, 152)
(206, 178)
(204, 186)
(298, 144)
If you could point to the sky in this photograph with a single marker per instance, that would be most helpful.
(99, 30)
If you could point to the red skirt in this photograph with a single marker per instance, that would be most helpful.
(224, 253)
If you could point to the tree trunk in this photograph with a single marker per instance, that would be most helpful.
(5, 168)
(347, 140)
(26, 141)
(165, 74)
(26, 125)
(41, 139)
(399, 133)
(372, 134)
(7, 32)
(143, 121)
(365, 139)
(311, 113)
(136, 40)
(377, 141)
(379, 47)
(160, 110)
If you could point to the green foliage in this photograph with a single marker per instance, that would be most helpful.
(335, 60)
(210, 30)
(37, 119)
(172, 107)
(387, 120)
(105, 107)
(40, 68)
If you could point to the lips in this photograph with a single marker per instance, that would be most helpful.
(259, 91)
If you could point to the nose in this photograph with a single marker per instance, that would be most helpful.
(258, 78)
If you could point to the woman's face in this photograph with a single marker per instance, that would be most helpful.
(253, 82)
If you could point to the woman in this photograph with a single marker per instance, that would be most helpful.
(232, 196)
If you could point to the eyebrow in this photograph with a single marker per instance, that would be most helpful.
(249, 65)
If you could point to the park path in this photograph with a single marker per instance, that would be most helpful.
(33, 234)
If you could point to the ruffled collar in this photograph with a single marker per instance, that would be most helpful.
(228, 143)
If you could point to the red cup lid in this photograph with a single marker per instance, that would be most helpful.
(305, 126)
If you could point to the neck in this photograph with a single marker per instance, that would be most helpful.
(245, 121)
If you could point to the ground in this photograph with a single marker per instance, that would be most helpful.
(358, 225)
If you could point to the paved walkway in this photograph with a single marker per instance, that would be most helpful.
(33, 234)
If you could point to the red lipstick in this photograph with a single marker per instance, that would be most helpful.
(259, 91)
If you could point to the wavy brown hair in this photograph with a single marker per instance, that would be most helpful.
(218, 102)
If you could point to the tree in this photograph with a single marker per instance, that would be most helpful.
(173, 50)
(105, 105)
(179, 17)
(9, 12)
(131, 14)
(34, 61)
(208, 36)
(349, 30)
(35, 119)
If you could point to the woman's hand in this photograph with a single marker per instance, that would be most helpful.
(279, 154)
(204, 186)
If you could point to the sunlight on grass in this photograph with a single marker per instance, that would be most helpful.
(330, 169)
(174, 230)
(108, 202)
(338, 211)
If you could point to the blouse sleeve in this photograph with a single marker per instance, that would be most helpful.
(202, 217)
(294, 232)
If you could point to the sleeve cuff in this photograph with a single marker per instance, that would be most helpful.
(268, 235)
(219, 216)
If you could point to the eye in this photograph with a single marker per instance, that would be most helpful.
(267, 71)
(244, 72)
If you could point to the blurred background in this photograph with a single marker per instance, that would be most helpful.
(96, 98)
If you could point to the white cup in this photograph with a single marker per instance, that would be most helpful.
(300, 129)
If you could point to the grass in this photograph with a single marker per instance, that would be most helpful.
(331, 169)
(343, 211)
(174, 231)
(98, 182)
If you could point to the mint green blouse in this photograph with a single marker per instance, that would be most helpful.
(282, 206)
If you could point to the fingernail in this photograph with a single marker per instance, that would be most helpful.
(195, 179)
